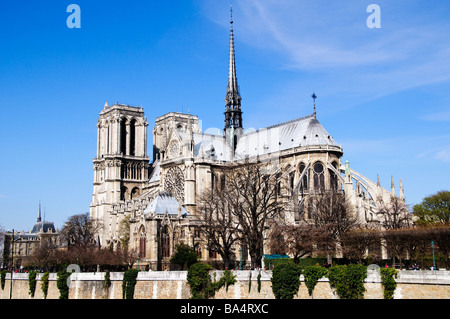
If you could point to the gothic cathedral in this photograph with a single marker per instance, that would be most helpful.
(150, 206)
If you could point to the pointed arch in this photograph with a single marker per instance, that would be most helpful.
(142, 241)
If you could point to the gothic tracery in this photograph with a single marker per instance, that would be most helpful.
(174, 183)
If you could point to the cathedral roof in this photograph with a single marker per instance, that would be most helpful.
(214, 147)
(156, 173)
(301, 132)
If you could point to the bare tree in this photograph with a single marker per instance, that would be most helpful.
(440, 234)
(217, 223)
(128, 256)
(330, 212)
(394, 239)
(254, 193)
(299, 240)
(395, 213)
(80, 230)
(360, 242)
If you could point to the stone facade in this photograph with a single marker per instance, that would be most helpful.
(173, 285)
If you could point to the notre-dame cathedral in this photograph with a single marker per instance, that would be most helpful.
(158, 197)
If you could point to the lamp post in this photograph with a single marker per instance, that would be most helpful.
(138, 261)
(240, 259)
(12, 264)
(432, 248)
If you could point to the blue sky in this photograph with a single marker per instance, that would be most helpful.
(383, 94)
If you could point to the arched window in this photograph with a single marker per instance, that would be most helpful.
(165, 242)
(319, 179)
(304, 185)
(142, 242)
(123, 192)
(135, 193)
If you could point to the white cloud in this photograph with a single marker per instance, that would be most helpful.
(443, 155)
(443, 116)
(411, 49)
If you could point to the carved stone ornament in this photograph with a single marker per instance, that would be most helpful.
(174, 183)
(174, 149)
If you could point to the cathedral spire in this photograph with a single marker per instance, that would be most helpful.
(39, 213)
(233, 113)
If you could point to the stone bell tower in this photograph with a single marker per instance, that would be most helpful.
(121, 165)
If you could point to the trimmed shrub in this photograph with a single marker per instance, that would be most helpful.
(285, 280)
(259, 281)
(32, 282)
(61, 283)
(199, 280)
(3, 276)
(227, 280)
(312, 275)
(128, 283)
(44, 284)
(348, 280)
(388, 281)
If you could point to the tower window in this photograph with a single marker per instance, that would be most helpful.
(132, 137)
(123, 136)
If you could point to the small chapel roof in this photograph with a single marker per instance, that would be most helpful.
(164, 203)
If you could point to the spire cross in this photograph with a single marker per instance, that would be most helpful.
(231, 13)
(314, 99)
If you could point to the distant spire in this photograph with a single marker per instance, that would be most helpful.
(314, 99)
(392, 185)
(233, 113)
(191, 135)
(189, 126)
(402, 190)
(39, 213)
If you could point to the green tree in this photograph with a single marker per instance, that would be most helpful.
(434, 209)
(184, 256)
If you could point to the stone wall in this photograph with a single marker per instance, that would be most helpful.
(173, 285)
